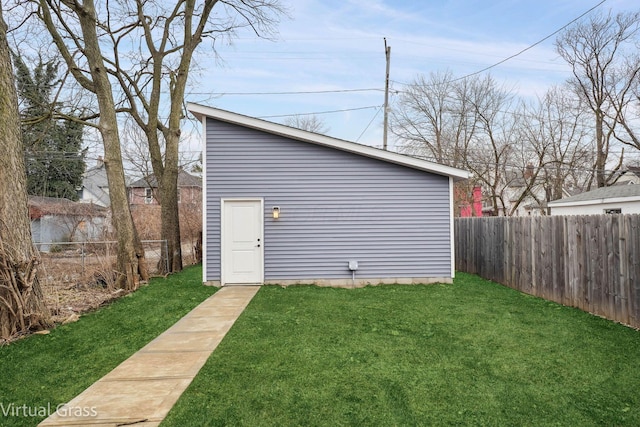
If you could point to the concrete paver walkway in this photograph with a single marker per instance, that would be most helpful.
(143, 388)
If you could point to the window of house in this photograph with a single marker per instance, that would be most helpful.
(148, 196)
(613, 211)
(179, 195)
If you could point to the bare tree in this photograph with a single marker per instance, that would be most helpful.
(148, 49)
(494, 143)
(310, 123)
(601, 53)
(170, 34)
(462, 123)
(22, 307)
(434, 119)
(135, 151)
(93, 75)
(626, 103)
(558, 124)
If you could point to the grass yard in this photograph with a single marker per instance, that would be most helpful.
(472, 353)
(54, 368)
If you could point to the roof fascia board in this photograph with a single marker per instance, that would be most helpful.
(200, 111)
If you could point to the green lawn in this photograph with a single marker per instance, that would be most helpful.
(52, 369)
(472, 353)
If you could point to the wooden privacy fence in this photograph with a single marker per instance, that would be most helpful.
(591, 261)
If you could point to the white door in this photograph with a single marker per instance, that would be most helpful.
(242, 245)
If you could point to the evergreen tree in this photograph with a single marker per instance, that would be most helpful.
(54, 156)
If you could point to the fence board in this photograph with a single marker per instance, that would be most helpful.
(590, 262)
(633, 266)
(583, 257)
(622, 300)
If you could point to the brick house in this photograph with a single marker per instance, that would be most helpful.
(143, 191)
(145, 209)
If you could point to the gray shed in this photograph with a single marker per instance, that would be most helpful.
(286, 206)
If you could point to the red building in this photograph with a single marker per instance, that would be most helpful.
(472, 207)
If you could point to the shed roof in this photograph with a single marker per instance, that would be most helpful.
(40, 206)
(201, 111)
(616, 193)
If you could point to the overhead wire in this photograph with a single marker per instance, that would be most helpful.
(319, 112)
(379, 89)
(534, 44)
(302, 92)
(406, 84)
(369, 124)
(526, 48)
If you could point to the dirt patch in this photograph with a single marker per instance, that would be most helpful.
(66, 301)
(70, 288)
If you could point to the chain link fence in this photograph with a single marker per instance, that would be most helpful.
(92, 261)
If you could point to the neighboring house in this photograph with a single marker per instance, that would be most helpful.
(630, 176)
(95, 187)
(534, 202)
(142, 191)
(56, 220)
(623, 199)
(287, 206)
(520, 199)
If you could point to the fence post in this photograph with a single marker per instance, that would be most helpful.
(82, 252)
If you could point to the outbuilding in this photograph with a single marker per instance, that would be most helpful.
(60, 220)
(617, 199)
(286, 206)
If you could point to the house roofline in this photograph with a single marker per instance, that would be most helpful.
(200, 111)
(599, 201)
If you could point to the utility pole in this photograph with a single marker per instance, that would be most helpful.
(387, 52)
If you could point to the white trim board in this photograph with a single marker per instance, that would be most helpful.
(205, 207)
(452, 229)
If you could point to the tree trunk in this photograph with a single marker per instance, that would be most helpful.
(167, 179)
(131, 265)
(22, 306)
(170, 229)
(601, 155)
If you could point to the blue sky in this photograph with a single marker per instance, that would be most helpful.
(338, 45)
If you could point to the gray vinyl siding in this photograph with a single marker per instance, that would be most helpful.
(335, 207)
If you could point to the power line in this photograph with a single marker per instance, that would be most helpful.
(533, 45)
(319, 112)
(525, 49)
(371, 121)
(307, 92)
